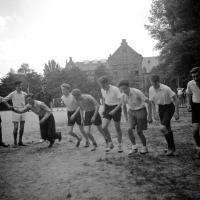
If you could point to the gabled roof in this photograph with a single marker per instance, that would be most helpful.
(124, 55)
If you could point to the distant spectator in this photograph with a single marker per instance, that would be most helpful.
(45, 96)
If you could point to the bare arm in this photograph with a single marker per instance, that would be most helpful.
(149, 109)
(125, 112)
(46, 116)
(175, 102)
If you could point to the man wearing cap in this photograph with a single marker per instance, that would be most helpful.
(44, 96)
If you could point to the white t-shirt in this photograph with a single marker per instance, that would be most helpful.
(112, 96)
(135, 99)
(194, 90)
(163, 95)
(70, 102)
(18, 99)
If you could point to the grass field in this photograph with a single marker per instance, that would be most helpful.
(66, 172)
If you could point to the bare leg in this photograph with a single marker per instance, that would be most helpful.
(105, 124)
(102, 133)
(119, 132)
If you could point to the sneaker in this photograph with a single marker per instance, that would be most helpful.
(107, 148)
(133, 150)
(94, 147)
(144, 150)
(170, 152)
(41, 141)
(78, 142)
(120, 150)
(111, 146)
(87, 144)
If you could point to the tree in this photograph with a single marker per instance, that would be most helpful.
(175, 25)
(24, 69)
(51, 67)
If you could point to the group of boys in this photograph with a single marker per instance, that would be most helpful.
(83, 109)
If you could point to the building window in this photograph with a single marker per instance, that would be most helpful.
(148, 61)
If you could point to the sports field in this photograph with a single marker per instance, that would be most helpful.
(65, 172)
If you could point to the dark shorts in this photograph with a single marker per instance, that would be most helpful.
(116, 117)
(88, 117)
(0, 120)
(195, 112)
(77, 118)
(166, 113)
(138, 118)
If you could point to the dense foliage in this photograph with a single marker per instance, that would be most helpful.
(175, 25)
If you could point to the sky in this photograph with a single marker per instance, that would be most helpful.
(35, 31)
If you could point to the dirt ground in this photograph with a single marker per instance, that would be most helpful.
(65, 172)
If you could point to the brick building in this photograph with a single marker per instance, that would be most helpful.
(124, 63)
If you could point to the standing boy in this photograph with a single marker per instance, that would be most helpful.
(73, 113)
(18, 101)
(90, 106)
(137, 114)
(111, 110)
(162, 96)
(193, 95)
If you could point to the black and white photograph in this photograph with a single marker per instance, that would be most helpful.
(99, 99)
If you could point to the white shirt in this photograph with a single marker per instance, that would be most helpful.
(112, 96)
(18, 99)
(135, 99)
(194, 90)
(70, 102)
(163, 95)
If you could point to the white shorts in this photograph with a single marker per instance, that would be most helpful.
(16, 117)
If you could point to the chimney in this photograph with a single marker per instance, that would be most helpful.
(124, 43)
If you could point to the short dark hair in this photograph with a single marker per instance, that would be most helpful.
(103, 79)
(17, 83)
(155, 78)
(31, 95)
(123, 83)
(76, 92)
(195, 70)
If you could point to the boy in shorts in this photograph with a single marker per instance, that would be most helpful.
(137, 115)
(73, 113)
(111, 110)
(90, 106)
(18, 100)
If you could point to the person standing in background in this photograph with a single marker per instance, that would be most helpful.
(193, 104)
